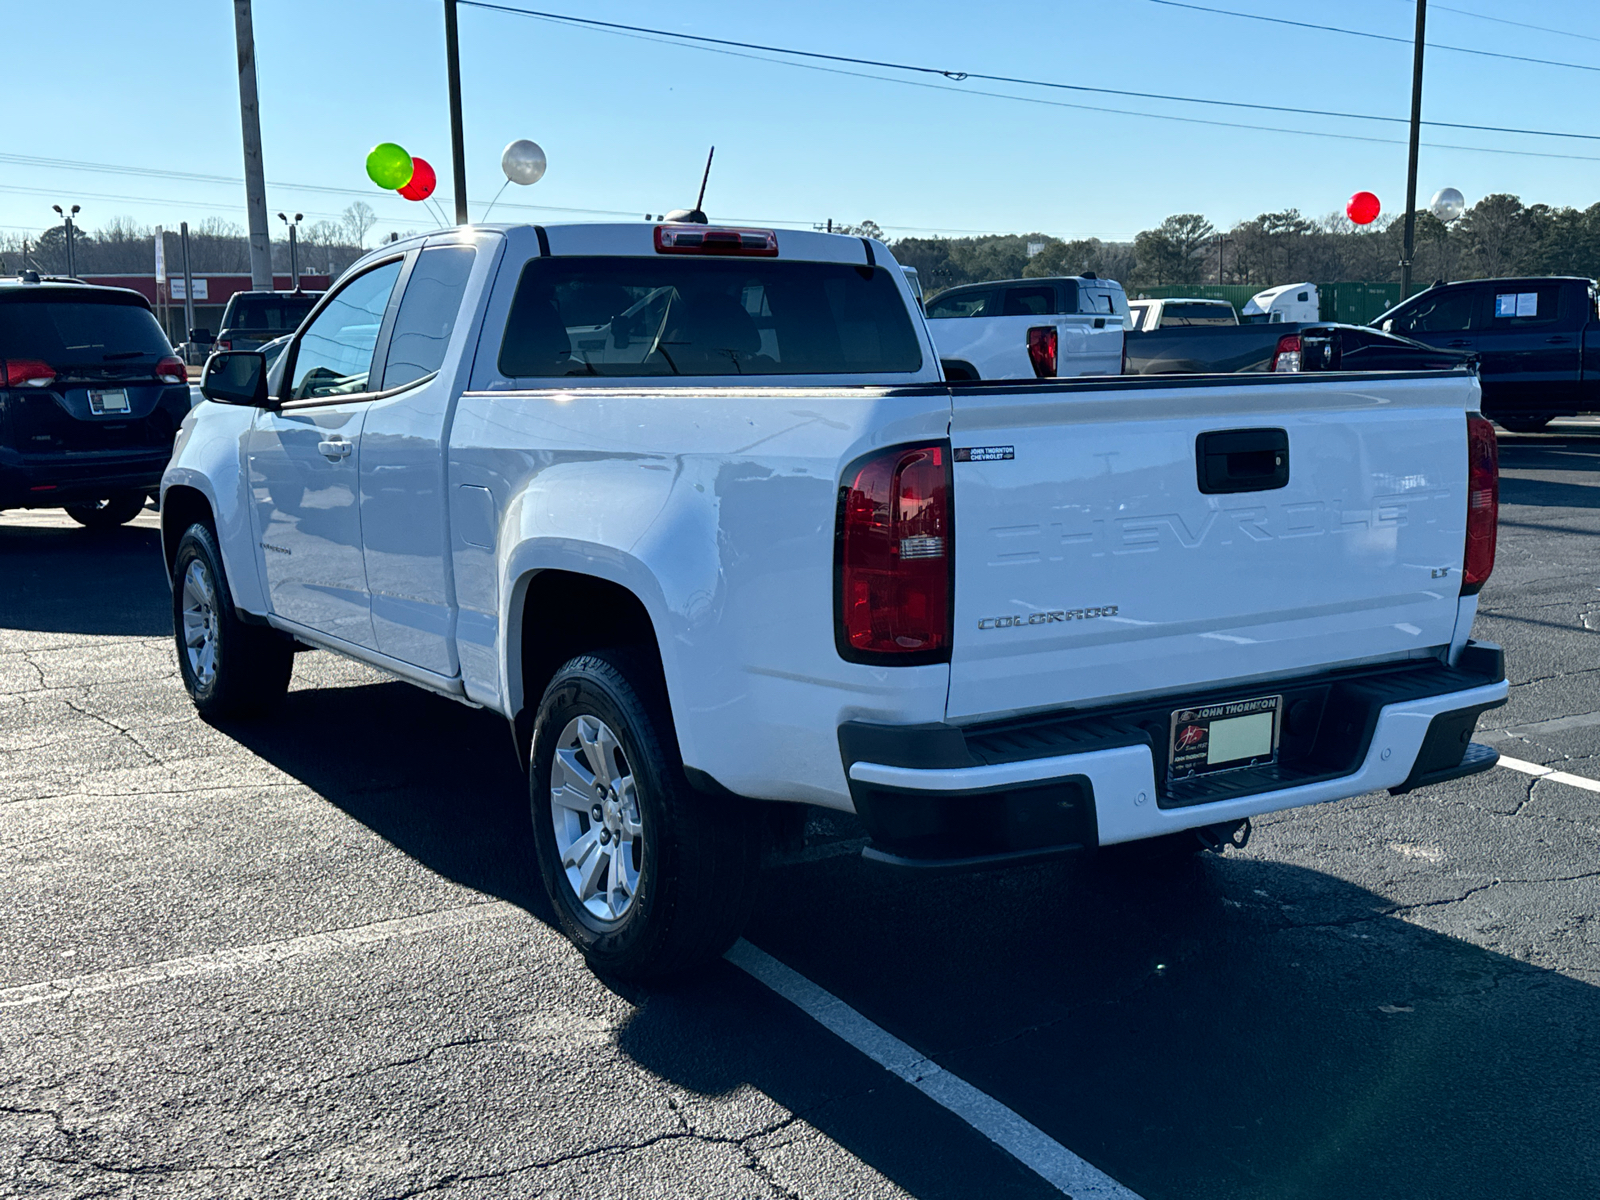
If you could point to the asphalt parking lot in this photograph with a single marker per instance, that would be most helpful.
(311, 957)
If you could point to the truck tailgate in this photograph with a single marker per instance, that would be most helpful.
(1090, 566)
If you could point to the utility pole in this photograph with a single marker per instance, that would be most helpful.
(1411, 170)
(458, 150)
(255, 183)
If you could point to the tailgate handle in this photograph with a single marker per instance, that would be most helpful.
(1242, 460)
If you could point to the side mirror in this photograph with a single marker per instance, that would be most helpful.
(236, 377)
(201, 336)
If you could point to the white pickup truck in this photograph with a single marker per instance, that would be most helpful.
(1048, 328)
(694, 510)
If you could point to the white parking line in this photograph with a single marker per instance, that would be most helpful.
(1528, 768)
(242, 957)
(1025, 1142)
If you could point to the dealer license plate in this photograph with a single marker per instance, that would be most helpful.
(1224, 737)
(108, 402)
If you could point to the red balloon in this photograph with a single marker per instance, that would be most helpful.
(423, 181)
(1363, 208)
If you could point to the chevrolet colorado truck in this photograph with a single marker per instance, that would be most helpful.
(693, 509)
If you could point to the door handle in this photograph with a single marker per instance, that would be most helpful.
(1558, 341)
(1241, 460)
(334, 450)
(1459, 345)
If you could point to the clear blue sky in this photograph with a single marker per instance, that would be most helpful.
(626, 122)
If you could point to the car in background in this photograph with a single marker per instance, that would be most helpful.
(1281, 348)
(1048, 328)
(1537, 341)
(252, 319)
(91, 396)
(1180, 314)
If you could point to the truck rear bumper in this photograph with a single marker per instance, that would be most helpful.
(994, 813)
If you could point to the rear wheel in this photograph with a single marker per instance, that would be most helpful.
(1523, 422)
(108, 513)
(229, 669)
(649, 878)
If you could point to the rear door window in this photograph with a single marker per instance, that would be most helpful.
(427, 314)
(70, 332)
(1029, 302)
(619, 317)
(959, 304)
(1521, 306)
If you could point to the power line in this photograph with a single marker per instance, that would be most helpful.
(1377, 37)
(958, 76)
(1461, 12)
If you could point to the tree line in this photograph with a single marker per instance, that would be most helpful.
(1498, 236)
(124, 246)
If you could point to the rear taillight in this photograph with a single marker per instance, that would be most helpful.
(894, 564)
(1042, 351)
(702, 239)
(171, 370)
(1483, 503)
(1287, 355)
(28, 372)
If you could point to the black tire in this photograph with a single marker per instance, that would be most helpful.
(695, 856)
(248, 667)
(1523, 422)
(108, 513)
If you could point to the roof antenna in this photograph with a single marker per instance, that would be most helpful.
(695, 215)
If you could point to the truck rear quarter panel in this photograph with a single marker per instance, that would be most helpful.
(716, 508)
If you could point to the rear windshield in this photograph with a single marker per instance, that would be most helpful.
(279, 314)
(76, 333)
(671, 316)
(1197, 314)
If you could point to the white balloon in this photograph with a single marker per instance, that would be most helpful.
(523, 162)
(1448, 204)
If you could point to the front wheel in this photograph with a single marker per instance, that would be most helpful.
(649, 878)
(229, 668)
(108, 513)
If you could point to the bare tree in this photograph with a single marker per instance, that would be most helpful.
(358, 222)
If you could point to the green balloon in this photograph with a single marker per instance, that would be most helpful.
(389, 166)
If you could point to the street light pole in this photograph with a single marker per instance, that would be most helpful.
(1411, 170)
(458, 152)
(72, 257)
(294, 256)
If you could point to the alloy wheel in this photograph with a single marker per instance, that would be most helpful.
(594, 806)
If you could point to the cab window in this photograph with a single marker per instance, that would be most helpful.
(334, 355)
(1446, 311)
(958, 304)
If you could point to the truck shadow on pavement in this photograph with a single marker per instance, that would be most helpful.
(1573, 461)
(61, 579)
(1238, 1027)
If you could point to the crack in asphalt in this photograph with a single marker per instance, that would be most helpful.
(708, 1139)
(123, 730)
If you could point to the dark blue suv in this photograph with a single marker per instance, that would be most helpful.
(90, 399)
